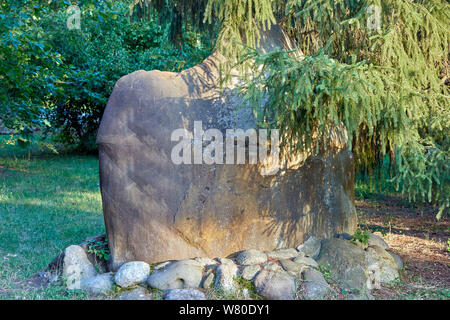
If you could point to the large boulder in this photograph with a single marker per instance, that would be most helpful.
(156, 210)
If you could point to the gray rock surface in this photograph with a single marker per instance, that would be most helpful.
(182, 274)
(249, 272)
(315, 286)
(225, 261)
(382, 265)
(397, 259)
(98, 285)
(346, 262)
(206, 261)
(158, 210)
(161, 265)
(271, 266)
(76, 267)
(311, 247)
(249, 257)
(306, 261)
(375, 240)
(132, 273)
(135, 294)
(275, 285)
(225, 276)
(282, 253)
(184, 294)
(208, 280)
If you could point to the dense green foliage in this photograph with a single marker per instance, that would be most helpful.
(380, 69)
(60, 79)
(46, 204)
(27, 68)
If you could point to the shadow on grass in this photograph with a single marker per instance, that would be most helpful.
(46, 204)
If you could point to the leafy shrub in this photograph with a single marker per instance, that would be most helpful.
(59, 80)
(361, 236)
(99, 248)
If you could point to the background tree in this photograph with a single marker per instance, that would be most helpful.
(379, 68)
(58, 80)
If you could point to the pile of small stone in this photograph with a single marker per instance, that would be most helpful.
(304, 272)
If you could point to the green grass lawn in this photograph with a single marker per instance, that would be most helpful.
(46, 204)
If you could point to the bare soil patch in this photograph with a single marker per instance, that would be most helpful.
(418, 238)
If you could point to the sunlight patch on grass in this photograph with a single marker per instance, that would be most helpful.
(46, 204)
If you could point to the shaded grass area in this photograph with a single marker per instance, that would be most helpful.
(47, 203)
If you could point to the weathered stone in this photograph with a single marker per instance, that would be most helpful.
(360, 244)
(42, 279)
(161, 265)
(225, 276)
(381, 266)
(184, 294)
(343, 236)
(306, 261)
(156, 210)
(282, 253)
(97, 285)
(135, 294)
(100, 264)
(208, 280)
(275, 285)
(272, 266)
(251, 256)
(375, 240)
(315, 286)
(54, 277)
(311, 247)
(76, 267)
(183, 274)
(292, 266)
(132, 273)
(346, 262)
(250, 271)
(205, 261)
(225, 261)
(361, 296)
(397, 259)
